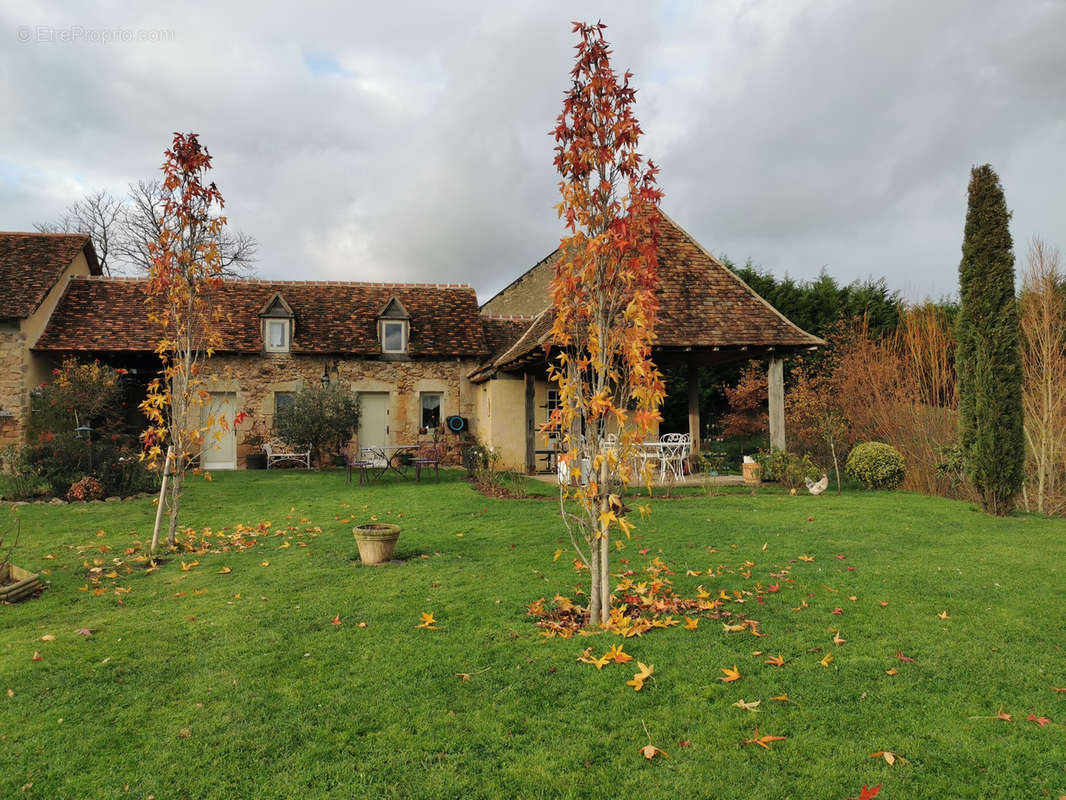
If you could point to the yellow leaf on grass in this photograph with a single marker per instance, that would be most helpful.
(186, 567)
(838, 639)
(776, 661)
(825, 661)
(763, 741)
(558, 553)
(730, 675)
(638, 680)
(617, 655)
(890, 757)
(224, 571)
(649, 751)
(733, 628)
(806, 558)
(691, 623)
(427, 621)
(752, 706)
(264, 563)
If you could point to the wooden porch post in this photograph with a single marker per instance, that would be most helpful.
(694, 406)
(531, 425)
(776, 392)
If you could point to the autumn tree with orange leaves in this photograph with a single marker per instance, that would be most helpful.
(605, 308)
(186, 269)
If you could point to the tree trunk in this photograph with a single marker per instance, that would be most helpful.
(605, 579)
(175, 498)
(836, 465)
(594, 586)
(162, 499)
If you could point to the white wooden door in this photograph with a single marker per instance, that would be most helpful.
(373, 419)
(220, 442)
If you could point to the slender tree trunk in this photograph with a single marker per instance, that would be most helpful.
(175, 498)
(594, 585)
(605, 579)
(162, 499)
(836, 465)
(604, 552)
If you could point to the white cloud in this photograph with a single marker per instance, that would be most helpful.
(409, 142)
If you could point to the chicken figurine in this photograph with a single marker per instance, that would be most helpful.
(817, 487)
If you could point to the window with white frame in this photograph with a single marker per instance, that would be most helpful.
(277, 335)
(431, 404)
(551, 404)
(394, 336)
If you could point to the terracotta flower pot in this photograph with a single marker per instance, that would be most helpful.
(376, 542)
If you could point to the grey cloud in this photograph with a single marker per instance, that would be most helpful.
(411, 142)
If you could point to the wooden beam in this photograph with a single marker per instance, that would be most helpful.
(776, 392)
(694, 406)
(531, 427)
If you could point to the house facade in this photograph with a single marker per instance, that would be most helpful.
(414, 354)
(34, 271)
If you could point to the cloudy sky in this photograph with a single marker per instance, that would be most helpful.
(408, 141)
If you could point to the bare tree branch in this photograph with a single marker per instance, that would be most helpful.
(100, 215)
(122, 229)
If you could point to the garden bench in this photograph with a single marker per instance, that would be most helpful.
(278, 451)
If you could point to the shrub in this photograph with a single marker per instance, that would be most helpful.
(80, 394)
(22, 478)
(319, 417)
(876, 465)
(788, 469)
(84, 490)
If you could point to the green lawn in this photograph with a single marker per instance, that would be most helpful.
(197, 684)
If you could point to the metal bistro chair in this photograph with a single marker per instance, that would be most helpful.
(428, 455)
(355, 463)
(675, 450)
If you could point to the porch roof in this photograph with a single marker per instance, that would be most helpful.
(704, 309)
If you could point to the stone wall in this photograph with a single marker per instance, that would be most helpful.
(13, 370)
(256, 380)
(527, 295)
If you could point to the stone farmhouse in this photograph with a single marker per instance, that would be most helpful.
(415, 354)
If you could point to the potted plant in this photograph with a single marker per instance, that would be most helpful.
(15, 583)
(376, 542)
(256, 458)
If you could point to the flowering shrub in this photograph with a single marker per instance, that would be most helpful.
(87, 396)
(88, 488)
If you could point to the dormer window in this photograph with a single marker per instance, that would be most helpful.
(394, 327)
(393, 339)
(277, 340)
(278, 325)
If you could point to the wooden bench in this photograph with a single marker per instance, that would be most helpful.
(277, 451)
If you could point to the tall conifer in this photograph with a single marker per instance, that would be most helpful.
(988, 361)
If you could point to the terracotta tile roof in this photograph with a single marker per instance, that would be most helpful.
(502, 331)
(702, 304)
(109, 315)
(30, 265)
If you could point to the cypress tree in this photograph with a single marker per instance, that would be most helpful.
(987, 359)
